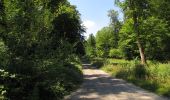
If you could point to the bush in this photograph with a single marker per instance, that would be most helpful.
(60, 81)
(3, 55)
(101, 53)
(115, 53)
(52, 83)
(98, 62)
(3, 76)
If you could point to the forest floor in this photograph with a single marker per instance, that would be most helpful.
(99, 85)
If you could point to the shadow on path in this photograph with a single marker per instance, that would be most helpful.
(98, 85)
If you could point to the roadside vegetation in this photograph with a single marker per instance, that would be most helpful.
(154, 77)
(41, 42)
(136, 49)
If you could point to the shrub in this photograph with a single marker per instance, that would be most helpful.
(101, 53)
(60, 81)
(3, 55)
(98, 62)
(52, 83)
(115, 53)
(140, 71)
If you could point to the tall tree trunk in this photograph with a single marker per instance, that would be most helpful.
(141, 51)
(139, 44)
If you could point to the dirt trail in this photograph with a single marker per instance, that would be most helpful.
(98, 85)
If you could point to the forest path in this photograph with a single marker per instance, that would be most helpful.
(99, 85)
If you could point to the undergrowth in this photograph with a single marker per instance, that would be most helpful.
(154, 77)
(51, 83)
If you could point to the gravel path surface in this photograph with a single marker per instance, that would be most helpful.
(98, 85)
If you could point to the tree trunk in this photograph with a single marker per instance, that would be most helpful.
(139, 44)
(141, 51)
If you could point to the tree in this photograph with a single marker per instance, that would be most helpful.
(127, 41)
(116, 25)
(161, 9)
(91, 46)
(137, 10)
(105, 40)
(39, 38)
(155, 34)
(2, 14)
(141, 23)
(67, 26)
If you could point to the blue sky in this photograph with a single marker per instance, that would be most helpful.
(94, 13)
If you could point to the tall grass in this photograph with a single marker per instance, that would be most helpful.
(153, 77)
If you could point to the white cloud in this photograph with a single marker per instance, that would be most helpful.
(89, 24)
(92, 27)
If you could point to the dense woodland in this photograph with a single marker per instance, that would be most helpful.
(40, 45)
(42, 41)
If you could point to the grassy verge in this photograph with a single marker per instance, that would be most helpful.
(154, 77)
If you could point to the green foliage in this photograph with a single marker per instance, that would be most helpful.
(5, 77)
(153, 32)
(127, 40)
(104, 41)
(144, 33)
(91, 46)
(116, 25)
(97, 62)
(39, 43)
(59, 81)
(154, 77)
(67, 26)
(115, 53)
(3, 55)
(53, 84)
(140, 71)
(144, 22)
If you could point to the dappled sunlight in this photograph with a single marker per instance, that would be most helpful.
(47, 45)
(98, 85)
